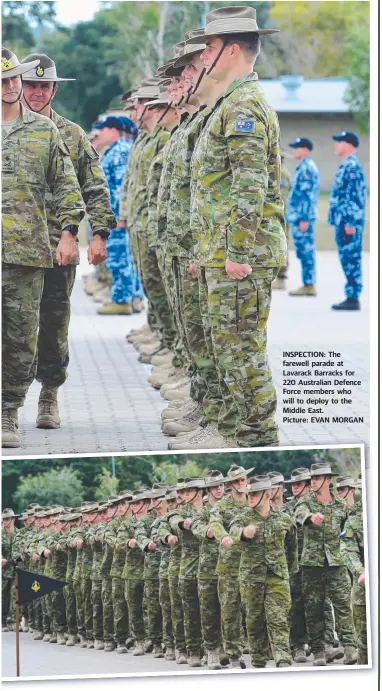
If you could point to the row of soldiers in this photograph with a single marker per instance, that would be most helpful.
(215, 565)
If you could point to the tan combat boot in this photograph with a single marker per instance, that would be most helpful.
(351, 655)
(187, 423)
(121, 648)
(279, 284)
(72, 640)
(332, 653)
(61, 640)
(157, 651)
(164, 356)
(47, 638)
(38, 636)
(179, 393)
(170, 653)
(10, 438)
(48, 416)
(138, 333)
(24, 625)
(180, 657)
(98, 644)
(138, 648)
(194, 660)
(160, 375)
(53, 638)
(174, 412)
(207, 438)
(307, 290)
(213, 661)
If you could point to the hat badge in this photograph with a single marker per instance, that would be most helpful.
(6, 64)
(36, 586)
(40, 71)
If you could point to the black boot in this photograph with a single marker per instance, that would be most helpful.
(350, 305)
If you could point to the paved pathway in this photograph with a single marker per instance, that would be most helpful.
(107, 405)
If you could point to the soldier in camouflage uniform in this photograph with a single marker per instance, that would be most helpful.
(56, 545)
(210, 615)
(285, 182)
(345, 489)
(21, 557)
(39, 88)
(8, 517)
(73, 521)
(94, 536)
(34, 159)
(277, 489)
(190, 491)
(89, 517)
(237, 222)
(302, 213)
(76, 541)
(352, 550)
(228, 563)
(324, 573)
(120, 614)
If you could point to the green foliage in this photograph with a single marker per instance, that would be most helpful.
(19, 18)
(53, 487)
(357, 51)
(108, 485)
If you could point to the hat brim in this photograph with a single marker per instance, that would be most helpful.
(44, 79)
(185, 59)
(261, 32)
(289, 482)
(158, 102)
(19, 69)
(240, 476)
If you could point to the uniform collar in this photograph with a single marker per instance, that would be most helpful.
(58, 120)
(25, 116)
(253, 77)
(307, 158)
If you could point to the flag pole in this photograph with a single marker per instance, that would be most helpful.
(17, 627)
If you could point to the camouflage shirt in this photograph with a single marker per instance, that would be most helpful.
(126, 202)
(134, 558)
(273, 549)
(34, 160)
(142, 531)
(72, 555)
(59, 560)
(353, 553)
(7, 540)
(163, 532)
(209, 547)
(153, 144)
(76, 534)
(97, 550)
(289, 508)
(110, 540)
(152, 188)
(189, 560)
(321, 543)
(236, 206)
(91, 178)
(165, 549)
(221, 516)
(164, 231)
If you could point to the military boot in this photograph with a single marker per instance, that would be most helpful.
(279, 284)
(223, 657)
(160, 376)
(208, 438)
(319, 659)
(187, 423)
(299, 655)
(72, 640)
(5, 629)
(180, 657)
(177, 382)
(307, 290)
(121, 648)
(83, 642)
(146, 355)
(145, 340)
(194, 660)
(10, 438)
(61, 640)
(162, 357)
(332, 653)
(47, 637)
(90, 643)
(348, 305)
(157, 650)
(148, 645)
(213, 660)
(238, 663)
(174, 412)
(351, 655)
(115, 308)
(138, 648)
(48, 416)
(180, 393)
(38, 635)
(169, 654)
(283, 663)
(134, 333)
(110, 646)
(98, 644)
(53, 638)
(129, 643)
(24, 625)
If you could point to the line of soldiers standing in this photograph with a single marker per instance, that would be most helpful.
(216, 564)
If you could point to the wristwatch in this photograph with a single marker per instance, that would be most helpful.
(72, 229)
(104, 234)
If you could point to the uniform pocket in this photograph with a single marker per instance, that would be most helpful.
(247, 305)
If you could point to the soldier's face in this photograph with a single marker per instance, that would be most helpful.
(38, 94)
(301, 152)
(8, 522)
(10, 89)
(340, 148)
(111, 511)
(239, 484)
(299, 488)
(320, 482)
(255, 499)
(218, 491)
(346, 493)
(171, 504)
(192, 71)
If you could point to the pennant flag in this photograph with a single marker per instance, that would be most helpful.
(34, 585)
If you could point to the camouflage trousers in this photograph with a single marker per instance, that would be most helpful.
(71, 610)
(21, 296)
(167, 268)
(153, 610)
(52, 357)
(107, 609)
(210, 615)
(188, 589)
(77, 587)
(230, 604)
(177, 613)
(38, 614)
(165, 603)
(350, 253)
(6, 586)
(205, 384)
(283, 273)
(331, 582)
(47, 614)
(155, 292)
(58, 611)
(238, 314)
(267, 607)
(134, 597)
(120, 611)
(305, 246)
(86, 591)
(297, 621)
(359, 615)
(96, 600)
(126, 284)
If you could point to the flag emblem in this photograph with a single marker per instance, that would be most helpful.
(244, 125)
(36, 586)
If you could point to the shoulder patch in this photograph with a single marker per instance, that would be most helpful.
(244, 125)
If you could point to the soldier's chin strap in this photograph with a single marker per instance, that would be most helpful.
(260, 500)
(220, 53)
(301, 490)
(165, 112)
(321, 485)
(196, 87)
(45, 104)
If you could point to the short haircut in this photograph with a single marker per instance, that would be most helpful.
(249, 42)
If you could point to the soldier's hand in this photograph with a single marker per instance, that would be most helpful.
(362, 579)
(151, 546)
(67, 249)
(132, 543)
(97, 252)
(4, 562)
(193, 270)
(47, 553)
(303, 226)
(80, 544)
(237, 271)
(187, 524)
(117, 547)
(317, 518)
(35, 557)
(97, 538)
(249, 531)
(227, 541)
(172, 540)
(210, 533)
(349, 230)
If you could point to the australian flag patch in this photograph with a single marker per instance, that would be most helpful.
(244, 125)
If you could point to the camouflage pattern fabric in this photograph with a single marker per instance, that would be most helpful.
(210, 614)
(59, 560)
(21, 296)
(238, 314)
(285, 183)
(52, 345)
(126, 284)
(142, 530)
(165, 603)
(352, 549)
(96, 577)
(126, 201)
(302, 205)
(70, 609)
(191, 615)
(162, 534)
(305, 246)
(28, 171)
(321, 543)
(120, 611)
(134, 591)
(168, 269)
(348, 207)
